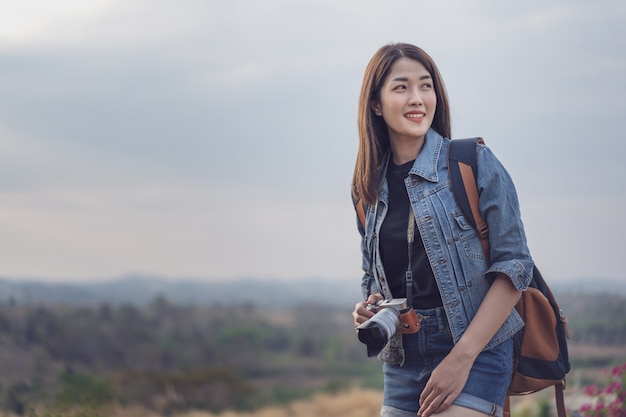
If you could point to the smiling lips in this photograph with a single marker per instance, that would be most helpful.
(415, 116)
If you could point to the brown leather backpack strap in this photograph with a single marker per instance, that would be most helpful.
(469, 182)
(507, 407)
(560, 401)
(360, 211)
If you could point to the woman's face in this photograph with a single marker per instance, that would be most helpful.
(407, 101)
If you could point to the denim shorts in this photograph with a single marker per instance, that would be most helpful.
(486, 385)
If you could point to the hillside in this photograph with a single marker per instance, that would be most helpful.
(140, 290)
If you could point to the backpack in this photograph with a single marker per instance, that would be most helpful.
(540, 348)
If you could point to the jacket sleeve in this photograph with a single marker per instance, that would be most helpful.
(499, 205)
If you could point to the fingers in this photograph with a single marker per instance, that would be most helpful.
(435, 403)
(427, 401)
(374, 298)
(361, 314)
(435, 399)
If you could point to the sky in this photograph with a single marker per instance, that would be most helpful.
(215, 140)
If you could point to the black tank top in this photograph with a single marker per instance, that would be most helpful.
(394, 249)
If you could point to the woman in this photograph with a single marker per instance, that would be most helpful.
(460, 362)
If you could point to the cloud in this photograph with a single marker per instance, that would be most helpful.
(24, 20)
(181, 138)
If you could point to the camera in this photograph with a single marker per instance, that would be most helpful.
(392, 316)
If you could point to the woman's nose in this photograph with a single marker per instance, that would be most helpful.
(415, 97)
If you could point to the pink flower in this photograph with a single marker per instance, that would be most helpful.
(614, 386)
(615, 390)
(591, 390)
(618, 370)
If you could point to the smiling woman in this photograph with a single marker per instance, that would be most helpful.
(419, 256)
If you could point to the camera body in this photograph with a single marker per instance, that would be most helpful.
(392, 316)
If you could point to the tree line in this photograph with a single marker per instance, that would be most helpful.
(170, 357)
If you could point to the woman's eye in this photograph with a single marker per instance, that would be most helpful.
(427, 86)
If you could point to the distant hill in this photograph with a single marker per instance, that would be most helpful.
(593, 286)
(139, 290)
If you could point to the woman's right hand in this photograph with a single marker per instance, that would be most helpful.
(361, 314)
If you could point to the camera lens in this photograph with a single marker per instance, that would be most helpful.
(375, 332)
(372, 335)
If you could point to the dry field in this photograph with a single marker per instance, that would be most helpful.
(366, 403)
(354, 403)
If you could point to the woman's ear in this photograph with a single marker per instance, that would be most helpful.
(376, 108)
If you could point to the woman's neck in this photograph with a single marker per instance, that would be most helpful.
(403, 151)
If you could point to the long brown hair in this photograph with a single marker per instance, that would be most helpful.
(373, 134)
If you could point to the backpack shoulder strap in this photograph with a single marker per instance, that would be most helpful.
(359, 206)
(463, 168)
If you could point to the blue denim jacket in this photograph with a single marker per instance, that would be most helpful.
(451, 243)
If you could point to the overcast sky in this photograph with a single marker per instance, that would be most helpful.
(216, 140)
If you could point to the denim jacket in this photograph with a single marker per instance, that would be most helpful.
(456, 256)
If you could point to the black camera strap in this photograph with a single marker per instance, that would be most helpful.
(410, 238)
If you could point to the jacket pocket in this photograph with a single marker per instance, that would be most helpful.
(468, 237)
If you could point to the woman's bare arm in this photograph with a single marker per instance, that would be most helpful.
(449, 377)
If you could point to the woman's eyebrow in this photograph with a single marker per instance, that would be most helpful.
(423, 77)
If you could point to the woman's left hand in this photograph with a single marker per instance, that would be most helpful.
(445, 384)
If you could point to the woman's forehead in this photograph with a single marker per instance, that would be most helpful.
(407, 67)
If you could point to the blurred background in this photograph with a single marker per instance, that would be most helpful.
(175, 219)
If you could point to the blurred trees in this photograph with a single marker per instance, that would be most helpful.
(170, 357)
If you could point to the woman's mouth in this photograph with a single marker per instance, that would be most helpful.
(415, 116)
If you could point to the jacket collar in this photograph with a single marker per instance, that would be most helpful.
(426, 162)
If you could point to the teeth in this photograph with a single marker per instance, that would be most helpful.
(414, 116)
